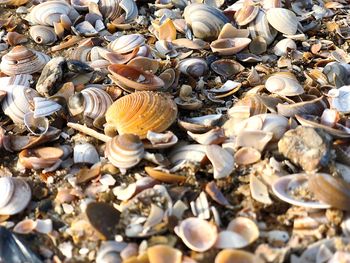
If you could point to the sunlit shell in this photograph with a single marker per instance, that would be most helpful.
(313, 107)
(43, 35)
(283, 20)
(246, 156)
(332, 191)
(124, 151)
(221, 159)
(214, 136)
(256, 139)
(85, 153)
(247, 13)
(236, 256)
(229, 46)
(132, 78)
(44, 107)
(283, 46)
(200, 124)
(167, 30)
(255, 104)
(245, 227)
(261, 27)
(111, 9)
(164, 176)
(127, 43)
(96, 102)
(192, 153)
(195, 67)
(40, 158)
(229, 31)
(284, 84)
(164, 254)
(206, 21)
(145, 64)
(339, 99)
(197, 234)
(16, 195)
(21, 60)
(14, 38)
(18, 101)
(160, 140)
(124, 115)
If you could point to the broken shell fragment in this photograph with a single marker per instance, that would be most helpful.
(164, 176)
(221, 159)
(229, 46)
(246, 156)
(284, 46)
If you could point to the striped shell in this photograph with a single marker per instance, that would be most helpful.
(127, 43)
(96, 102)
(44, 107)
(18, 101)
(43, 35)
(124, 151)
(260, 27)
(112, 9)
(21, 60)
(139, 112)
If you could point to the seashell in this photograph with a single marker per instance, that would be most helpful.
(82, 53)
(285, 185)
(258, 45)
(37, 126)
(164, 254)
(255, 104)
(114, 9)
(145, 64)
(16, 195)
(124, 151)
(284, 46)
(110, 252)
(160, 140)
(247, 13)
(13, 2)
(267, 4)
(14, 38)
(21, 60)
(256, 139)
(96, 102)
(20, 79)
(284, 84)
(168, 76)
(44, 107)
(192, 153)
(199, 241)
(337, 73)
(221, 159)
(195, 44)
(229, 46)
(48, 13)
(43, 35)
(206, 21)
(127, 43)
(339, 99)
(246, 156)
(260, 27)
(85, 29)
(200, 207)
(237, 256)
(85, 153)
(129, 77)
(195, 67)
(283, 20)
(229, 31)
(312, 107)
(214, 136)
(213, 191)
(165, 49)
(226, 67)
(330, 190)
(17, 102)
(200, 124)
(167, 30)
(25, 226)
(164, 176)
(124, 114)
(259, 190)
(40, 158)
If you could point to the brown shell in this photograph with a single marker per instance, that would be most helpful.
(164, 176)
(139, 112)
(40, 158)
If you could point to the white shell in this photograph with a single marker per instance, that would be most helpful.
(195, 67)
(283, 45)
(110, 250)
(16, 195)
(284, 85)
(43, 35)
(193, 153)
(85, 153)
(37, 126)
(260, 27)
(44, 107)
(283, 20)
(339, 99)
(127, 43)
(20, 79)
(97, 101)
(221, 159)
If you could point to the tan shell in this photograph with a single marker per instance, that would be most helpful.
(229, 46)
(197, 234)
(40, 158)
(164, 176)
(283, 20)
(124, 114)
(261, 27)
(284, 84)
(164, 254)
(13, 2)
(131, 78)
(236, 256)
(43, 35)
(14, 38)
(127, 43)
(124, 151)
(21, 60)
(246, 156)
(247, 13)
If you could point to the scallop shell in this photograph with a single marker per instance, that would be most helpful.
(127, 43)
(112, 9)
(43, 35)
(124, 115)
(260, 27)
(284, 84)
(16, 195)
(195, 67)
(131, 78)
(21, 60)
(237, 256)
(124, 151)
(282, 47)
(18, 101)
(164, 254)
(85, 153)
(197, 234)
(283, 20)
(40, 158)
(229, 46)
(206, 21)
(96, 102)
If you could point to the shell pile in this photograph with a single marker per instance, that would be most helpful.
(175, 131)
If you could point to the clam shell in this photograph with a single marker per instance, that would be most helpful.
(330, 190)
(226, 67)
(16, 195)
(284, 84)
(283, 46)
(85, 153)
(197, 234)
(260, 27)
(229, 46)
(111, 9)
(18, 101)
(21, 60)
(313, 107)
(20, 79)
(145, 64)
(127, 43)
(229, 31)
(43, 35)
(237, 256)
(192, 153)
(96, 102)
(206, 21)
(40, 158)
(44, 107)
(247, 13)
(214, 136)
(221, 159)
(164, 254)
(110, 251)
(83, 54)
(124, 114)
(195, 67)
(245, 227)
(283, 20)
(246, 156)
(131, 78)
(14, 38)
(124, 151)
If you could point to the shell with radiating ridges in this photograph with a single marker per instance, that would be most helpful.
(137, 113)
(43, 35)
(21, 60)
(206, 21)
(15, 195)
(96, 102)
(127, 43)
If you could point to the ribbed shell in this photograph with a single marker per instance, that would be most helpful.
(127, 43)
(124, 151)
(140, 112)
(21, 60)
(80, 53)
(43, 35)
(97, 101)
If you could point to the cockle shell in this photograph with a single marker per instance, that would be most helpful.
(16, 195)
(40, 158)
(43, 35)
(139, 112)
(164, 254)
(283, 20)
(111, 9)
(195, 67)
(85, 153)
(260, 27)
(284, 84)
(124, 151)
(197, 234)
(131, 78)
(18, 101)
(206, 21)
(127, 43)
(21, 60)
(229, 46)
(237, 256)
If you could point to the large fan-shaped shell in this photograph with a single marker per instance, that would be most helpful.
(283, 20)
(43, 35)
(206, 21)
(21, 60)
(96, 101)
(140, 112)
(127, 43)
